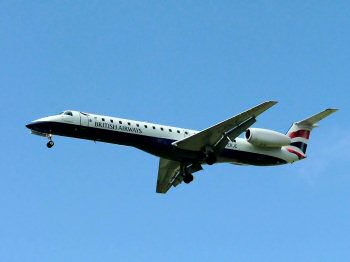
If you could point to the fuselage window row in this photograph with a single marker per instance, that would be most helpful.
(138, 125)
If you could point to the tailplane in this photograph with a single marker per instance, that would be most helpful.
(300, 132)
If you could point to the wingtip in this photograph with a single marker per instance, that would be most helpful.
(332, 109)
(271, 102)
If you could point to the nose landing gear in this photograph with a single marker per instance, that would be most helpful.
(50, 143)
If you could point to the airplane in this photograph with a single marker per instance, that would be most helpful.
(182, 151)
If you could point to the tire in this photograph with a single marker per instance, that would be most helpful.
(188, 178)
(211, 159)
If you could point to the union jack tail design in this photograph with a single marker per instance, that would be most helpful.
(299, 139)
(300, 132)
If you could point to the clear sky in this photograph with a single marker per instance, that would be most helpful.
(183, 63)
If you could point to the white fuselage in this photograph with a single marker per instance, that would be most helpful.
(153, 138)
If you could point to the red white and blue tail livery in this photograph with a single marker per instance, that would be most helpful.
(300, 131)
(182, 151)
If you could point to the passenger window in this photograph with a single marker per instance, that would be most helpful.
(153, 127)
(178, 131)
(162, 128)
(145, 126)
(170, 130)
(111, 120)
(137, 125)
(129, 124)
(120, 122)
(186, 132)
(103, 119)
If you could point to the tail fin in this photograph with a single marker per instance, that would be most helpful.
(300, 132)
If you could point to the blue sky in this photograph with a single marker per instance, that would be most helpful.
(183, 63)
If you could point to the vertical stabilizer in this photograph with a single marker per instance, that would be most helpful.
(300, 132)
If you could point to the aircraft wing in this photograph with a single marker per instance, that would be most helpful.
(168, 170)
(231, 128)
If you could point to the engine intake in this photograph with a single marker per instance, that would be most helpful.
(266, 138)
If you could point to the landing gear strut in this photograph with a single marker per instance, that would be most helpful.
(50, 143)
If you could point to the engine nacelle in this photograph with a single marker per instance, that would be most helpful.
(266, 138)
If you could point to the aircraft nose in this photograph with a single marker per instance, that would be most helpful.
(36, 126)
(30, 125)
(42, 125)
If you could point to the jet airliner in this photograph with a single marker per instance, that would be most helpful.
(182, 151)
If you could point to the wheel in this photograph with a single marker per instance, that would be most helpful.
(211, 159)
(188, 178)
(50, 144)
(209, 155)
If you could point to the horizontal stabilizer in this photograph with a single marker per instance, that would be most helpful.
(313, 120)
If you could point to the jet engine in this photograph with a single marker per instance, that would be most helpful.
(266, 138)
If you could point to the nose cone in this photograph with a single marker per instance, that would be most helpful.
(39, 126)
(30, 125)
(43, 125)
(35, 126)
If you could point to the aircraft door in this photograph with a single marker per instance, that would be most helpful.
(84, 119)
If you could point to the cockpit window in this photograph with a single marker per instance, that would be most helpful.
(68, 113)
